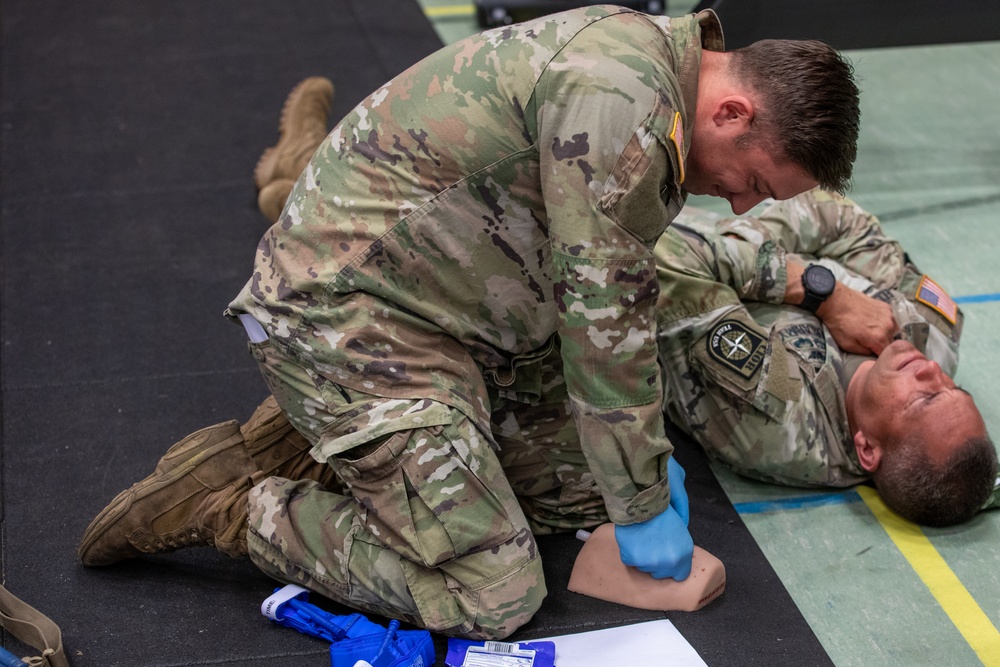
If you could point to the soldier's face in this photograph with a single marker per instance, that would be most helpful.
(744, 175)
(904, 392)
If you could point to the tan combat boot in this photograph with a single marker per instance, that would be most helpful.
(278, 450)
(197, 496)
(165, 511)
(302, 128)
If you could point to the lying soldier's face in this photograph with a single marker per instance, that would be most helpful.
(905, 392)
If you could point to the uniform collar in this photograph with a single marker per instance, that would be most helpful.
(687, 37)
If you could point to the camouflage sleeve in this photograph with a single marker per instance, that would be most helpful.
(826, 225)
(604, 108)
(717, 269)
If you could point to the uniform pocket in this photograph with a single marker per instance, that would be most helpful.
(430, 493)
(648, 175)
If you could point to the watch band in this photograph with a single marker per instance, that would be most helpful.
(811, 302)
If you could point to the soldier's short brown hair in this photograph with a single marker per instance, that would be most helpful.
(942, 495)
(807, 105)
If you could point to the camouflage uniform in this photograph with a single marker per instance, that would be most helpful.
(761, 385)
(480, 223)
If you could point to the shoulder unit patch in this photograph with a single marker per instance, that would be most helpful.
(737, 347)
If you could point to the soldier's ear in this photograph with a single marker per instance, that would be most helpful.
(733, 113)
(869, 451)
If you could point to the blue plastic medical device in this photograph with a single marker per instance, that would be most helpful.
(353, 638)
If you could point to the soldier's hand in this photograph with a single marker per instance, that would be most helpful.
(661, 546)
(859, 323)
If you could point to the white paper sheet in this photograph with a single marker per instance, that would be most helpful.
(651, 644)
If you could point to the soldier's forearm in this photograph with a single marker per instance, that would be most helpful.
(859, 323)
(794, 291)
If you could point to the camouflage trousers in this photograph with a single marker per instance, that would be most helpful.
(434, 525)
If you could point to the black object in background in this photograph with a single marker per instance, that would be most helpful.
(494, 13)
(857, 24)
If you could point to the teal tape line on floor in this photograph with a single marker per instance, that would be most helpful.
(978, 298)
(801, 502)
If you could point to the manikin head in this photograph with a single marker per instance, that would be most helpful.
(921, 437)
(773, 119)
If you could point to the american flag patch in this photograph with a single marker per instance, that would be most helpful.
(931, 294)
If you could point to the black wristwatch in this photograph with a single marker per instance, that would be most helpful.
(818, 282)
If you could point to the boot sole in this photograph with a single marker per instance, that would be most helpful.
(121, 504)
(263, 173)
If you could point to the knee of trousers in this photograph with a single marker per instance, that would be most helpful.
(483, 595)
(507, 604)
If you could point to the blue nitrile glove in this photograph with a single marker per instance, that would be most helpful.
(661, 546)
(678, 495)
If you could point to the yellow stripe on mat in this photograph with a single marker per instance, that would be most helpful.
(448, 11)
(939, 578)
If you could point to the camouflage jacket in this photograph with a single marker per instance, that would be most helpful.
(761, 385)
(507, 189)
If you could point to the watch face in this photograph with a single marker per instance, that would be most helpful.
(820, 280)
